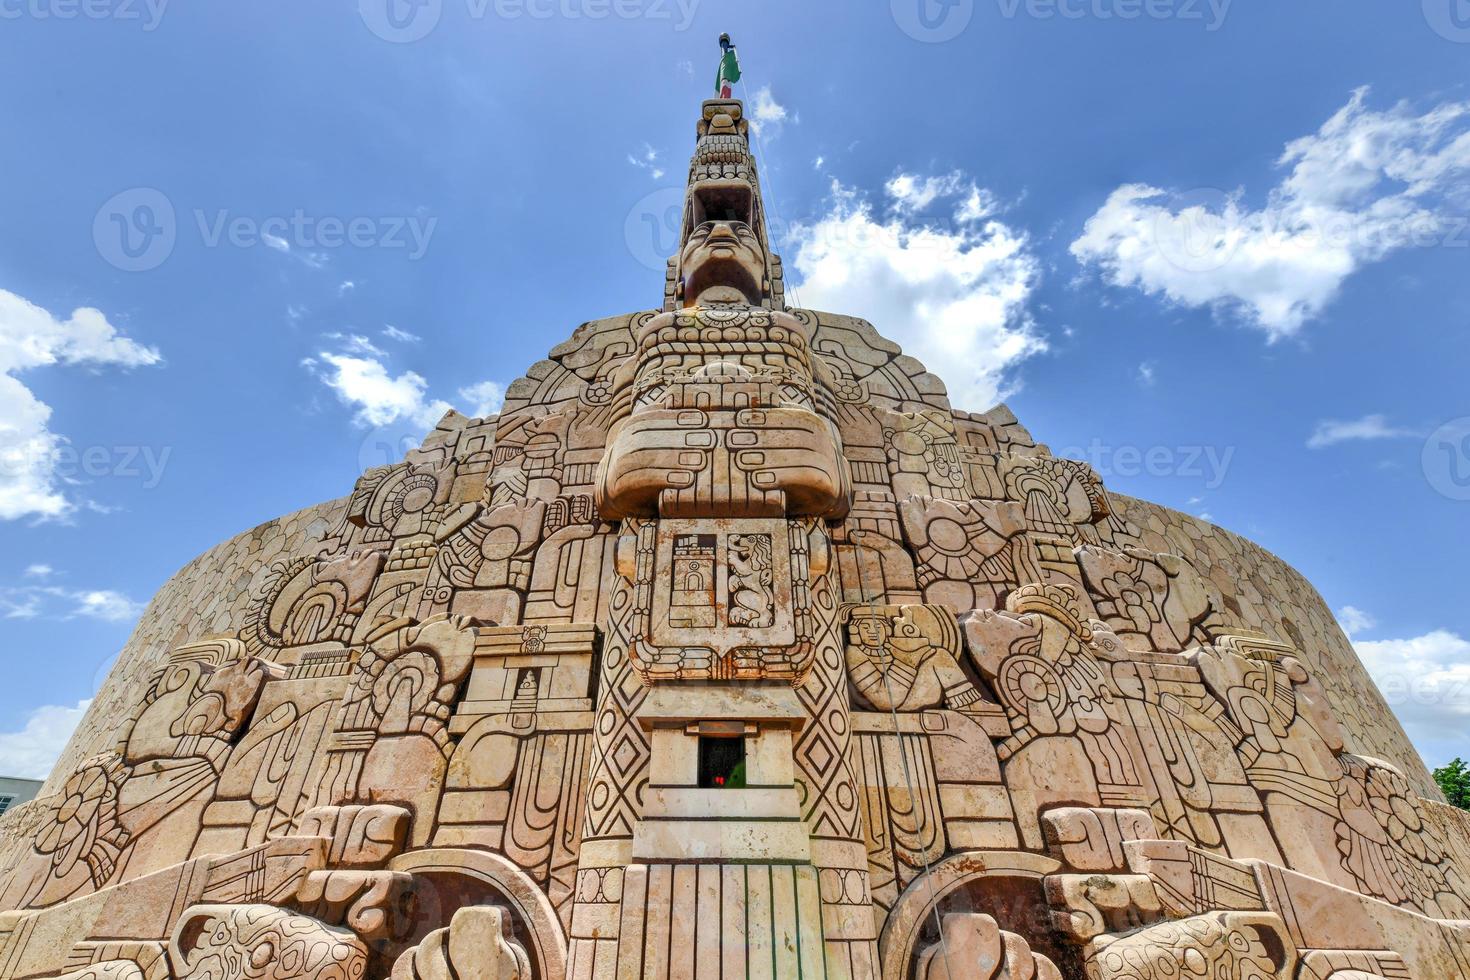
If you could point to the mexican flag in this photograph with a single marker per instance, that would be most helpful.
(729, 72)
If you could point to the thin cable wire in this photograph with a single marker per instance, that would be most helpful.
(908, 777)
(760, 147)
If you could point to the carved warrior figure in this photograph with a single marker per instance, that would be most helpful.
(905, 658)
(487, 716)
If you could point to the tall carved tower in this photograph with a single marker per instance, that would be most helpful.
(731, 648)
(724, 468)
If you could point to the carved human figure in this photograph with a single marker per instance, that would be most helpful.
(904, 658)
(1152, 601)
(1070, 743)
(394, 719)
(722, 261)
(1287, 743)
(969, 555)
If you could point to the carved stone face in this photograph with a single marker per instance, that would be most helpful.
(870, 631)
(723, 254)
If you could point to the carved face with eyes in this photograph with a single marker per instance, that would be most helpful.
(870, 631)
(722, 260)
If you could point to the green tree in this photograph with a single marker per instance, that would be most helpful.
(1454, 782)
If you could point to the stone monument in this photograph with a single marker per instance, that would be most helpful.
(731, 648)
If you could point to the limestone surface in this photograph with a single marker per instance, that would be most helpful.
(731, 648)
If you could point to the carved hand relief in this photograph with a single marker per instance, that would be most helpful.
(1390, 849)
(80, 832)
(974, 947)
(731, 646)
(477, 943)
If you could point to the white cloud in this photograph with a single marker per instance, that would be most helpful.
(105, 604)
(766, 114)
(1364, 185)
(38, 571)
(30, 337)
(955, 298)
(345, 286)
(1426, 681)
(31, 601)
(484, 398)
(911, 192)
(402, 336)
(647, 159)
(379, 398)
(275, 241)
(354, 343)
(31, 752)
(1354, 620)
(21, 603)
(977, 205)
(1330, 432)
(1146, 374)
(818, 162)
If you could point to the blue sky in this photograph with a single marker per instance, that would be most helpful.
(1220, 249)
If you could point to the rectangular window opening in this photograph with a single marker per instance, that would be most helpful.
(721, 762)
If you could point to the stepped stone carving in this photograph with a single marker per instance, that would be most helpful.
(730, 647)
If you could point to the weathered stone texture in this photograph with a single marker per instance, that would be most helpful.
(208, 596)
(1265, 594)
(730, 648)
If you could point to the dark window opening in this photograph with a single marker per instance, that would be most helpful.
(726, 202)
(721, 762)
